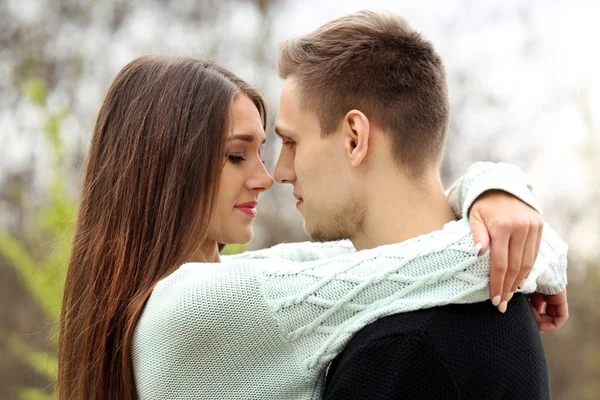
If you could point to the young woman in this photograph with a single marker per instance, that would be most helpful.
(162, 175)
(174, 171)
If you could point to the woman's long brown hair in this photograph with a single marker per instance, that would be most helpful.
(150, 187)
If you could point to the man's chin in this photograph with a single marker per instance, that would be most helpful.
(306, 228)
(318, 234)
(310, 231)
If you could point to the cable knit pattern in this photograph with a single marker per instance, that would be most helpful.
(250, 328)
(321, 304)
(484, 176)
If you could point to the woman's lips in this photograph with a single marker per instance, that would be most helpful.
(247, 208)
(251, 211)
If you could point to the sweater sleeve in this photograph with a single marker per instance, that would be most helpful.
(549, 273)
(484, 176)
(400, 366)
(319, 305)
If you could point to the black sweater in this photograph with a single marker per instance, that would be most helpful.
(468, 351)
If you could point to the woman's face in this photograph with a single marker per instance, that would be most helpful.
(244, 176)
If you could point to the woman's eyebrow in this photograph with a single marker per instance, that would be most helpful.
(245, 137)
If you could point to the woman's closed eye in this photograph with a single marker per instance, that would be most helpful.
(238, 158)
(235, 158)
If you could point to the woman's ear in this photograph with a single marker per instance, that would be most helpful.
(357, 136)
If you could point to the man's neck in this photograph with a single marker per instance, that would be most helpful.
(398, 212)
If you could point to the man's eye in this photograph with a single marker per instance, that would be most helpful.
(235, 159)
(290, 143)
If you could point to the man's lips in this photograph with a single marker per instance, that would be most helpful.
(248, 208)
(300, 200)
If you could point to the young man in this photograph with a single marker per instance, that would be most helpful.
(363, 116)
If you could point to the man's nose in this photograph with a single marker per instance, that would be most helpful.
(284, 170)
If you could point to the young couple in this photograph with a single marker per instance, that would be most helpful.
(391, 302)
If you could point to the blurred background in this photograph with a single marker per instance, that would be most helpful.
(523, 87)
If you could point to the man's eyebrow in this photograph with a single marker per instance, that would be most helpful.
(245, 137)
(279, 131)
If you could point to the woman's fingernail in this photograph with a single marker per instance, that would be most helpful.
(502, 307)
(478, 247)
(496, 301)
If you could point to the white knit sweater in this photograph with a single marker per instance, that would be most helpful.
(265, 325)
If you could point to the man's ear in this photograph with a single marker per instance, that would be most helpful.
(357, 136)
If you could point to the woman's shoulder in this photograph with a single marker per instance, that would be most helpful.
(196, 323)
(200, 290)
(194, 305)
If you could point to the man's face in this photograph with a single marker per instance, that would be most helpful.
(319, 170)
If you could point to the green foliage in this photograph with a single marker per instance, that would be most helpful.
(44, 275)
(44, 364)
(36, 91)
(34, 394)
(52, 129)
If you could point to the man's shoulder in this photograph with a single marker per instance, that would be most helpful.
(413, 323)
(459, 346)
(392, 357)
(450, 319)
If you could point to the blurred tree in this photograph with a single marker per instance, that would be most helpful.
(574, 351)
(40, 258)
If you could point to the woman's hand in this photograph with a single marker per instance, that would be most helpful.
(513, 232)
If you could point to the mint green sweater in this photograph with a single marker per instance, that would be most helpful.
(265, 324)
